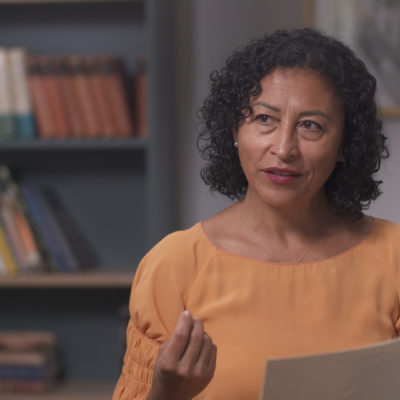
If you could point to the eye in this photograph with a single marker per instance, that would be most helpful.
(310, 130)
(311, 125)
(264, 119)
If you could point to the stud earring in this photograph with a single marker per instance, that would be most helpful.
(235, 144)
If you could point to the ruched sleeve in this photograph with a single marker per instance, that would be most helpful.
(159, 294)
(137, 372)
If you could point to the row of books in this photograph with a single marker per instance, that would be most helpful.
(37, 231)
(71, 96)
(29, 361)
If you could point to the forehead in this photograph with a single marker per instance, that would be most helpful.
(301, 86)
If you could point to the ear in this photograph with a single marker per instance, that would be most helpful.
(235, 134)
(340, 156)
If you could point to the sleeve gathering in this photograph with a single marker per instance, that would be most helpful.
(137, 372)
(159, 294)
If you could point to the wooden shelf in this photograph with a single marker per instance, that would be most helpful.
(69, 391)
(94, 280)
(72, 144)
(66, 1)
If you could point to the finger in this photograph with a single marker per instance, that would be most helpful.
(195, 343)
(206, 354)
(180, 338)
(212, 361)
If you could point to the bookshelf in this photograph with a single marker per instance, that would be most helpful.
(74, 391)
(85, 280)
(120, 191)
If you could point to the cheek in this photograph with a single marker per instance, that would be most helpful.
(251, 156)
(323, 165)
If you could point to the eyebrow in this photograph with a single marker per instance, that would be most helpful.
(302, 114)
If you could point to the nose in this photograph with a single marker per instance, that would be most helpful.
(285, 143)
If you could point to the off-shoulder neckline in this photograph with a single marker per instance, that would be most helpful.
(356, 246)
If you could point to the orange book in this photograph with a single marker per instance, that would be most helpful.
(117, 99)
(41, 106)
(141, 99)
(71, 104)
(83, 96)
(33, 258)
(55, 95)
(99, 95)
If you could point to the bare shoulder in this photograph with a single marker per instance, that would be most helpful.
(223, 229)
(348, 232)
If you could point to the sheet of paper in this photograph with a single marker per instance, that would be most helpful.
(365, 373)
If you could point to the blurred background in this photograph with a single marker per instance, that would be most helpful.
(98, 159)
(220, 26)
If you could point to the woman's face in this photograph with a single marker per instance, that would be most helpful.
(289, 145)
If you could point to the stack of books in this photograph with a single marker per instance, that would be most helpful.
(29, 361)
(37, 231)
(70, 97)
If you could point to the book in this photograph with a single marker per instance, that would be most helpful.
(114, 82)
(8, 127)
(87, 109)
(34, 386)
(364, 373)
(99, 95)
(71, 104)
(6, 254)
(48, 228)
(81, 249)
(26, 340)
(42, 109)
(141, 98)
(21, 100)
(3, 266)
(17, 224)
(29, 361)
(12, 232)
(53, 91)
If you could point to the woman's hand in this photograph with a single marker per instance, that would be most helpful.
(185, 364)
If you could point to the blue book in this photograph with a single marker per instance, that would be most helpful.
(48, 227)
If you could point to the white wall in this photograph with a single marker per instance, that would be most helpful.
(388, 204)
(207, 31)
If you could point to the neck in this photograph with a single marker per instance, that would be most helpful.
(284, 223)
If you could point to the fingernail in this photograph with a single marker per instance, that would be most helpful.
(186, 313)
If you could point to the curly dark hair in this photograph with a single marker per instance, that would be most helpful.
(351, 186)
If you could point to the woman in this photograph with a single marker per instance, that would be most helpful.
(294, 266)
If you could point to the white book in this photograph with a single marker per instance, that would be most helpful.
(7, 118)
(364, 373)
(20, 95)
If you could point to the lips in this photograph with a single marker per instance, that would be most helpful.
(281, 176)
(282, 172)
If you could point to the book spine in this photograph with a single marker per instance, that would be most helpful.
(6, 253)
(71, 102)
(53, 234)
(33, 258)
(33, 386)
(83, 95)
(7, 118)
(41, 106)
(116, 95)
(25, 123)
(77, 242)
(43, 229)
(99, 95)
(12, 233)
(55, 96)
(141, 99)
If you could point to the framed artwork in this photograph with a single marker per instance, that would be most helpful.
(372, 29)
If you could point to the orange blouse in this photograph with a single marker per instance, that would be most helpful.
(254, 310)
